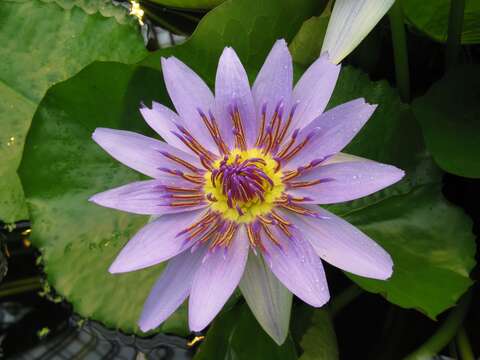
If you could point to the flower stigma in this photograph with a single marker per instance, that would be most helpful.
(244, 184)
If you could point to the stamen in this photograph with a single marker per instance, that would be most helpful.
(288, 123)
(298, 209)
(180, 161)
(287, 147)
(270, 235)
(192, 144)
(297, 148)
(178, 189)
(188, 203)
(279, 218)
(189, 177)
(262, 127)
(300, 184)
(214, 131)
(240, 139)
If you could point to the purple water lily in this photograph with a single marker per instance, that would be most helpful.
(235, 191)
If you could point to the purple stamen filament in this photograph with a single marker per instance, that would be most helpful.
(241, 181)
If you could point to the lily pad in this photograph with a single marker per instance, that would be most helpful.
(319, 341)
(431, 18)
(431, 244)
(37, 53)
(449, 114)
(431, 241)
(307, 43)
(189, 4)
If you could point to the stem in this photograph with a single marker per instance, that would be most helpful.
(400, 50)
(444, 334)
(344, 298)
(20, 286)
(455, 24)
(463, 344)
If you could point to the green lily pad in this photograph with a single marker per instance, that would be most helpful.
(260, 23)
(44, 43)
(319, 341)
(62, 166)
(431, 18)
(189, 4)
(431, 244)
(449, 114)
(431, 241)
(307, 43)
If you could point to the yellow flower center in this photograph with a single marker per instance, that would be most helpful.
(244, 185)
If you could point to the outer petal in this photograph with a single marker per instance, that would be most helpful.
(313, 91)
(215, 281)
(349, 23)
(171, 289)
(331, 132)
(268, 299)
(343, 245)
(140, 152)
(232, 89)
(189, 93)
(155, 242)
(346, 181)
(143, 197)
(298, 267)
(164, 121)
(274, 81)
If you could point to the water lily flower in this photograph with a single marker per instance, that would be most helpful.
(235, 190)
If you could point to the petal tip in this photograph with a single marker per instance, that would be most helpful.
(93, 199)
(145, 325)
(196, 324)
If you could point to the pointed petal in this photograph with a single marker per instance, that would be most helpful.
(140, 152)
(274, 81)
(164, 121)
(155, 242)
(215, 281)
(331, 132)
(343, 245)
(313, 91)
(298, 267)
(346, 181)
(268, 299)
(232, 89)
(350, 23)
(189, 93)
(143, 197)
(171, 289)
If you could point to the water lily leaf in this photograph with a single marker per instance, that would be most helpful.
(259, 24)
(236, 334)
(431, 244)
(430, 240)
(189, 4)
(78, 239)
(449, 114)
(57, 41)
(319, 341)
(307, 43)
(431, 18)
